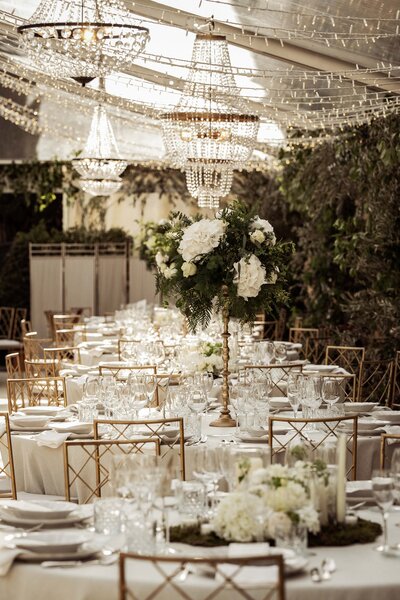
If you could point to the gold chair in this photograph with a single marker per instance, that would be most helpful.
(121, 371)
(6, 322)
(66, 354)
(316, 348)
(385, 437)
(303, 336)
(19, 316)
(395, 385)
(14, 366)
(26, 327)
(278, 374)
(328, 426)
(34, 346)
(156, 429)
(41, 368)
(35, 391)
(376, 381)
(88, 466)
(265, 330)
(166, 577)
(126, 345)
(7, 473)
(65, 337)
(350, 358)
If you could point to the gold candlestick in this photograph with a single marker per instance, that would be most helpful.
(225, 419)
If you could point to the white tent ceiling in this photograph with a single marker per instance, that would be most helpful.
(315, 65)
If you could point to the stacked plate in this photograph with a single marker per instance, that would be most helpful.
(43, 512)
(22, 422)
(259, 436)
(359, 407)
(366, 426)
(52, 545)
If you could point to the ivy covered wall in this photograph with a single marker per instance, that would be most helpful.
(344, 205)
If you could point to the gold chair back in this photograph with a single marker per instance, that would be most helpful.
(67, 354)
(278, 374)
(395, 385)
(65, 321)
(87, 463)
(36, 391)
(171, 445)
(350, 358)
(26, 327)
(328, 426)
(265, 330)
(65, 337)
(7, 473)
(34, 346)
(376, 381)
(385, 438)
(121, 371)
(303, 336)
(41, 368)
(6, 322)
(14, 366)
(225, 578)
(19, 316)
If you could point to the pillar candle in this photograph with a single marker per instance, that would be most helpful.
(341, 479)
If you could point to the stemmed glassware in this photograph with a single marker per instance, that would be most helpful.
(330, 390)
(395, 472)
(383, 492)
(207, 469)
(280, 352)
(293, 392)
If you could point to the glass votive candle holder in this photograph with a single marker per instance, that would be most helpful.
(191, 498)
(108, 516)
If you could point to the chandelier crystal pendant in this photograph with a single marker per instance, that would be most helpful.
(210, 124)
(100, 187)
(100, 158)
(82, 39)
(208, 181)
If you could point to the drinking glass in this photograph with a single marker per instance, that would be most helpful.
(330, 390)
(206, 469)
(197, 400)
(382, 489)
(293, 392)
(107, 514)
(280, 352)
(191, 499)
(395, 471)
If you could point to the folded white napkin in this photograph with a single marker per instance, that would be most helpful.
(7, 556)
(52, 439)
(392, 429)
(256, 549)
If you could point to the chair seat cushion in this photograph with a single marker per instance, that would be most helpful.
(10, 344)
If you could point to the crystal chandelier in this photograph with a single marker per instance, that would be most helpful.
(210, 127)
(100, 187)
(82, 39)
(100, 158)
(208, 181)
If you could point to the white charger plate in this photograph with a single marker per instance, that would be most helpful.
(24, 422)
(42, 410)
(39, 509)
(80, 514)
(359, 407)
(46, 542)
(72, 427)
(86, 551)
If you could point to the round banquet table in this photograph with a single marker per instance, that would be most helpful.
(362, 574)
(40, 469)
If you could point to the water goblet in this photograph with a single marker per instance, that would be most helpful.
(330, 390)
(382, 490)
(280, 352)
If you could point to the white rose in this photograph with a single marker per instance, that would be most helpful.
(257, 236)
(188, 269)
(250, 276)
(201, 238)
(160, 259)
(170, 271)
(266, 228)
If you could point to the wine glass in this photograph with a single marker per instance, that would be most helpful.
(197, 400)
(207, 469)
(280, 353)
(395, 471)
(382, 489)
(330, 390)
(293, 394)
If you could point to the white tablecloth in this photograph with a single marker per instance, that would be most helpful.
(362, 574)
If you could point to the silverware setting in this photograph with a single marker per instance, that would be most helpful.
(324, 573)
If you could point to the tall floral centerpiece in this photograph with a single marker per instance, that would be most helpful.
(232, 264)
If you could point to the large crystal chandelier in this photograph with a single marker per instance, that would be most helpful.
(82, 39)
(100, 158)
(210, 132)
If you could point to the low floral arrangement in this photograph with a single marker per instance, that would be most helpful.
(272, 501)
(233, 260)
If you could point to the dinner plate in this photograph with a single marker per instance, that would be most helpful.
(86, 551)
(320, 368)
(79, 515)
(387, 415)
(359, 407)
(25, 422)
(41, 410)
(279, 402)
(39, 509)
(46, 542)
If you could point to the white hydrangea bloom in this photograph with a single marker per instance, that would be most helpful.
(200, 238)
(236, 518)
(250, 276)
